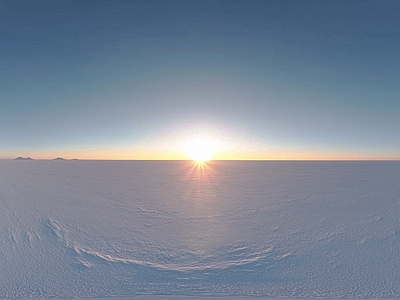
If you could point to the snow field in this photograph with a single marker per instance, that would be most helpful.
(147, 228)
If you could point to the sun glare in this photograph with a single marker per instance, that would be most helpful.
(200, 149)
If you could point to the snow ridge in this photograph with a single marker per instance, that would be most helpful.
(87, 256)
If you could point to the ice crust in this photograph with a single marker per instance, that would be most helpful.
(147, 228)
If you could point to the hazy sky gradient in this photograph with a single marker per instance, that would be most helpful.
(134, 79)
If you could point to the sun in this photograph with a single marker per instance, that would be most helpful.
(200, 149)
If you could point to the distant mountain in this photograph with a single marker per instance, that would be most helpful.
(23, 158)
(59, 158)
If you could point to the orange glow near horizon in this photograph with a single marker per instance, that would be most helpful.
(151, 154)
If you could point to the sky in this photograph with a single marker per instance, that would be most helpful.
(277, 79)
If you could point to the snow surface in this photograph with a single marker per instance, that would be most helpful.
(147, 228)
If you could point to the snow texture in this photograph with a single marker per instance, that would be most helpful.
(149, 228)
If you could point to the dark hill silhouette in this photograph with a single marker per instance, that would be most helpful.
(23, 158)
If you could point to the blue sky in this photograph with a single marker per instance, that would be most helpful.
(263, 79)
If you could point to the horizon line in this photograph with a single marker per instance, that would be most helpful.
(210, 160)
